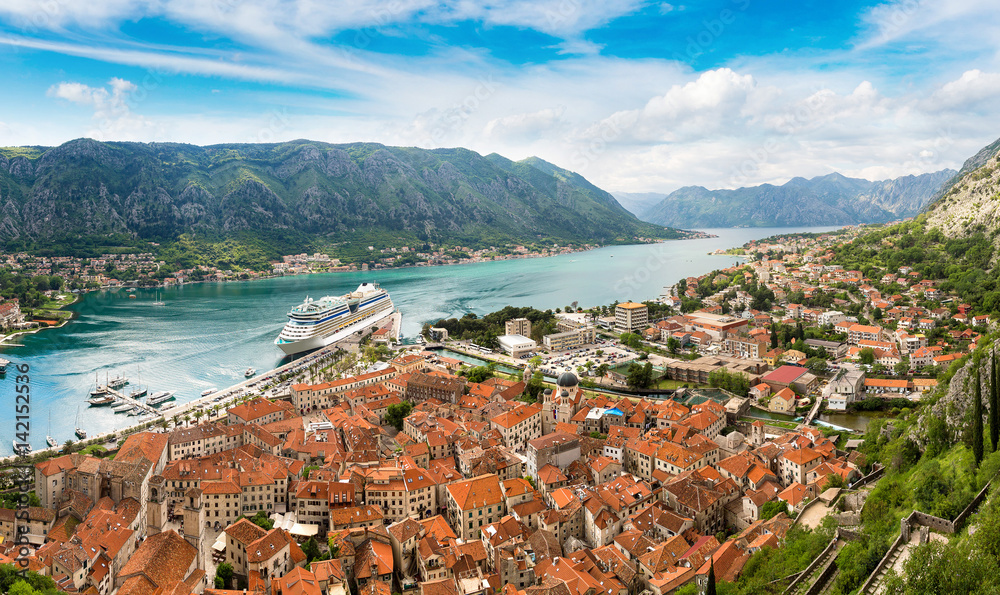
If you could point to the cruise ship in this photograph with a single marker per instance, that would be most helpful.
(318, 323)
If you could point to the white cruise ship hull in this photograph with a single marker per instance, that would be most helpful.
(318, 341)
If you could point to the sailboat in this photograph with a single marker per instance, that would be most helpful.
(158, 302)
(139, 391)
(80, 432)
(48, 438)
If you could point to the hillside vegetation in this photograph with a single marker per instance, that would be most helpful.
(296, 195)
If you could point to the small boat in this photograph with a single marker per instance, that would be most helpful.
(160, 397)
(139, 391)
(117, 382)
(158, 302)
(249, 373)
(100, 390)
(207, 392)
(48, 438)
(80, 432)
(21, 449)
(167, 406)
(135, 411)
(131, 296)
(3, 365)
(101, 401)
(123, 407)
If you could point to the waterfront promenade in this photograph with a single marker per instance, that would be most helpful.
(265, 384)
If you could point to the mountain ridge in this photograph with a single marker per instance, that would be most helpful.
(832, 199)
(158, 191)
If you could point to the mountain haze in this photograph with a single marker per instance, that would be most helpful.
(305, 189)
(832, 199)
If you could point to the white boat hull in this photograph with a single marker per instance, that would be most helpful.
(293, 347)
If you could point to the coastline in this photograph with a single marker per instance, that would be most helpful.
(5, 340)
(78, 297)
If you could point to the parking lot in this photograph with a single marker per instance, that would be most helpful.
(611, 354)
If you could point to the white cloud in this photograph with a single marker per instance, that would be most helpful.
(640, 125)
(969, 91)
(526, 127)
(112, 118)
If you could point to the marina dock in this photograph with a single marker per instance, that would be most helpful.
(126, 399)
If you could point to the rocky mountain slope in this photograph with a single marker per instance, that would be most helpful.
(157, 191)
(971, 200)
(833, 199)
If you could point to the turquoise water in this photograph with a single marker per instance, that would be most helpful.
(207, 334)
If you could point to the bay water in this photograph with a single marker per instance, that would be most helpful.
(207, 334)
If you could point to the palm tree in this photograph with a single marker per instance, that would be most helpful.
(162, 422)
(198, 415)
(187, 418)
(177, 419)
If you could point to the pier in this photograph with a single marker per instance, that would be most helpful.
(125, 399)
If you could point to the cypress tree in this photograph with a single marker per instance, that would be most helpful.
(710, 588)
(977, 421)
(994, 407)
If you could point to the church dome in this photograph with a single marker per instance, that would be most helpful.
(567, 379)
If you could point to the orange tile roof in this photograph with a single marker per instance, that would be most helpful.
(162, 558)
(245, 531)
(517, 415)
(477, 492)
(801, 456)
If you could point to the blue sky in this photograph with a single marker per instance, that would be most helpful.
(635, 95)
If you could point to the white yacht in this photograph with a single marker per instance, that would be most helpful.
(318, 323)
(157, 398)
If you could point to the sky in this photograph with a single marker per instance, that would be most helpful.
(638, 96)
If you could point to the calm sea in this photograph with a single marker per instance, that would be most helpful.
(207, 334)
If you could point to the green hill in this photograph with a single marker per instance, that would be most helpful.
(299, 194)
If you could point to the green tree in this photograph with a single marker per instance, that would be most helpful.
(23, 588)
(673, 344)
(816, 364)
(311, 549)
(632, 340)
(224, 571)
(639, 376)
(535, 385)
(710, 587)
(977, 421)
(994, 406)
(735, 382)
(770, 509)
(867, 356)
(260, 519)
(396, 413)
(479, 374)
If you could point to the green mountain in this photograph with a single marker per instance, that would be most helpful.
(833, 199)
(301, 192)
